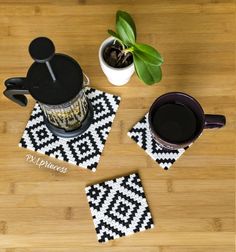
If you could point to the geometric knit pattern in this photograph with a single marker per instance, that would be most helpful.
(119, 207)
(84, 150)
(141, 134)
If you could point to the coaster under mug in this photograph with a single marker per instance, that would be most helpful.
(141, 134)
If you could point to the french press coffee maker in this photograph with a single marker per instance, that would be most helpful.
(57, 82)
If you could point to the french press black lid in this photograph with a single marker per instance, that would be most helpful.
(52, 79)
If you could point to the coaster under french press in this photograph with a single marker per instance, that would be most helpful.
(57, 82)
(84, 150)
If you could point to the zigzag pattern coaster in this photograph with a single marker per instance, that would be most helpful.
(119, 207)
(84, 150)
(141, 134)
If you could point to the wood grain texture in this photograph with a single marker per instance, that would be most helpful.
(193, 203)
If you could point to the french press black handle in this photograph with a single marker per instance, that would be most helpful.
(15, 90)
(41, 50)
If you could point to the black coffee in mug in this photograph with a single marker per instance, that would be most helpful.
(176, 120)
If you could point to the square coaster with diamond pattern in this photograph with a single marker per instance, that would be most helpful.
(141, 134)
(119, 207)
(84, 150)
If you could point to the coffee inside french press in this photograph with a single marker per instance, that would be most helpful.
(57, 82)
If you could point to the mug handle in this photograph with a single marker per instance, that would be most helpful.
(214, 121)
(15, 90)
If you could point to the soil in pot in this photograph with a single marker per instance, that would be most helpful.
(114, 56)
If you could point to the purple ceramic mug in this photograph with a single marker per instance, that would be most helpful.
(176, 120)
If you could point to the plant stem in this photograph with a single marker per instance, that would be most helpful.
(127, 50)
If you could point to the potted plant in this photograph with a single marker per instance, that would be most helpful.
(120, 55)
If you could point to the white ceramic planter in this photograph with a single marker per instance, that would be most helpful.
(116, 76)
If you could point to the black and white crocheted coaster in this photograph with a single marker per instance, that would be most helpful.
(141, 134)
(119, 207)
(84, 150)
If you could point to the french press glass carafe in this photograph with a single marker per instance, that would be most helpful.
(57, 82)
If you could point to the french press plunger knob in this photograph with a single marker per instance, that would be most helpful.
(42, 50)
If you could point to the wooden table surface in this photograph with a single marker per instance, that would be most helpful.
(193, 203)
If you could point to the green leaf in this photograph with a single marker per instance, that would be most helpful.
(126, 16)
(149, 74)
(148, 54)
(113, 34)
(125, 32)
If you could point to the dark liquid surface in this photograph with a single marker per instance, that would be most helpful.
(174, 123)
